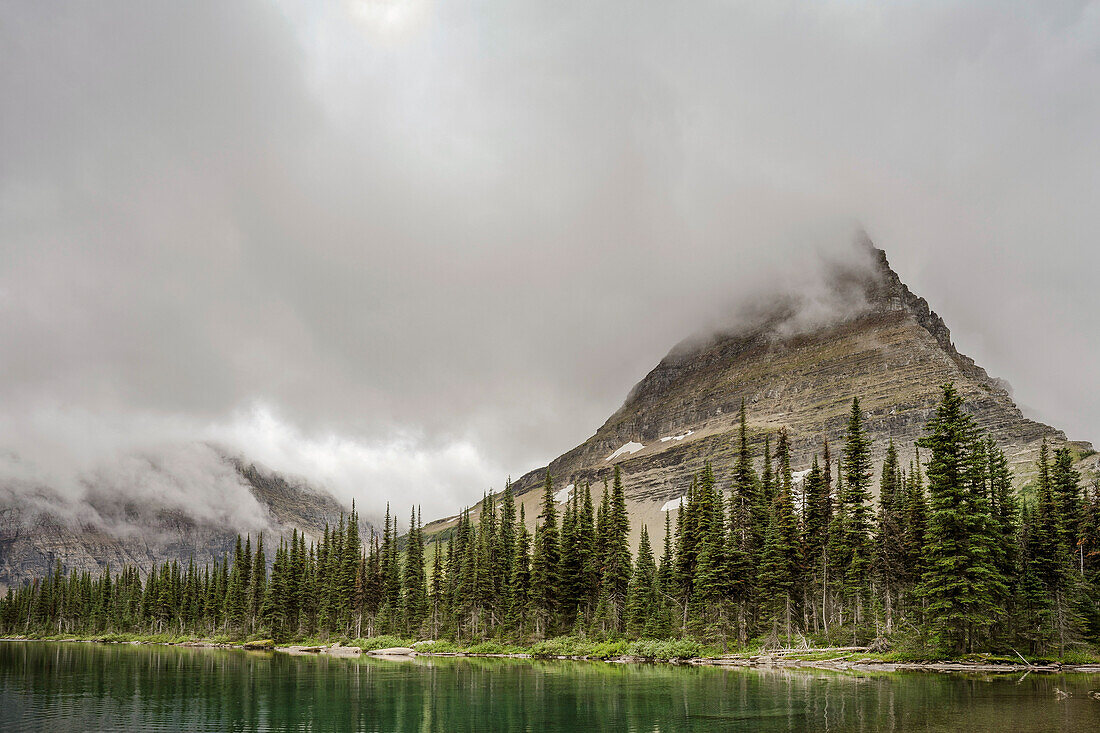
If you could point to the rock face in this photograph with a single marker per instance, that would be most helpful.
(109, 529)
(792, 370)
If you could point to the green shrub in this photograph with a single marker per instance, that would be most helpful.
(492, 647)
(560, 646)
(379, 642)
(442, 647)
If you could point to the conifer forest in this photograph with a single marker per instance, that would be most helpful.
(944, 556)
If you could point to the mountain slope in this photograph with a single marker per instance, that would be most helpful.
(798, 369)
(134, 519)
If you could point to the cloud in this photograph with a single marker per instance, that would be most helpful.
(125, 494)
(413, 259)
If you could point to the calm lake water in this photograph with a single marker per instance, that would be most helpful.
(61, 687)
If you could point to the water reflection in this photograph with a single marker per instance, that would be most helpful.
(69, 686)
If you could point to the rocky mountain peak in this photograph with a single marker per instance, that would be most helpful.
(796, 362)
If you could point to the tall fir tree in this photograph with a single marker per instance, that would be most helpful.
(643, 600)
(857, 541)
(545, 563)
(961, 582)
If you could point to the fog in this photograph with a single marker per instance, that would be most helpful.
(406, 248)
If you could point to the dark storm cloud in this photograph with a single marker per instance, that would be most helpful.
(407, 247)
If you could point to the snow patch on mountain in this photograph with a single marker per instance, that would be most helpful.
(564, 495)
(630, 447)
(674, 504)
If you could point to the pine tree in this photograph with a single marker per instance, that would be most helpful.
(416, 604)
(571, 570)
(587, 559)
(767, 477)
(643, 602)
(1065, 485)
(617, 567)
(545, 562)
(916, 522)
(246, 570)
(890, 557)
(746, 527)
(505, 546)
(351, 559)
(273, 610)
(235, 595)
(961, 583)
(1004, 512)
(688, 539)
(520, 586)
(294, 573)
(710, 585)
(391, 574)
(436, 598)
(665, 568)
(858, 549)
(372, 583)
(779, 567)
(257, 587)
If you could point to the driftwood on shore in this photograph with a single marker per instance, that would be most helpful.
(820, 650)
(334, 650)
(393, 651)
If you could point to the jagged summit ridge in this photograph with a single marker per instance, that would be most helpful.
(900, 297)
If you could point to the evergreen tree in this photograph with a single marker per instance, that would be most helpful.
(1065, 486)
(545, 562)
(235, 596)
(505, 546)
(711, 584)
(617, 564)
(435, 595)
(890, 552)
(587, 560)
(273, 611)
(520, 586)
(643, 601)
(570, 568)
(857, 512)
(415, 583)
(257, 587)
(961, 583)
(746, 526)
(779, 567)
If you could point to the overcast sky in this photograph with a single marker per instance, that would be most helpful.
(407, 247)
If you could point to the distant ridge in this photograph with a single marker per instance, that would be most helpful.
(33, 536)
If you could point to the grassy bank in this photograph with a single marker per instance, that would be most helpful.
(657, 650)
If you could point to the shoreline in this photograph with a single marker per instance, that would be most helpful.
(835, 665)
(844, 663)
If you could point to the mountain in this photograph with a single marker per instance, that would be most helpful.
(190, 501)
(797, 363)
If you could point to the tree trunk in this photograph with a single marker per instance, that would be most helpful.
(889, 611)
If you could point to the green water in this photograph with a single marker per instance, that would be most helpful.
(61, 687)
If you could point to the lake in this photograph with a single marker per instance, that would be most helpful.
(59, 687)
